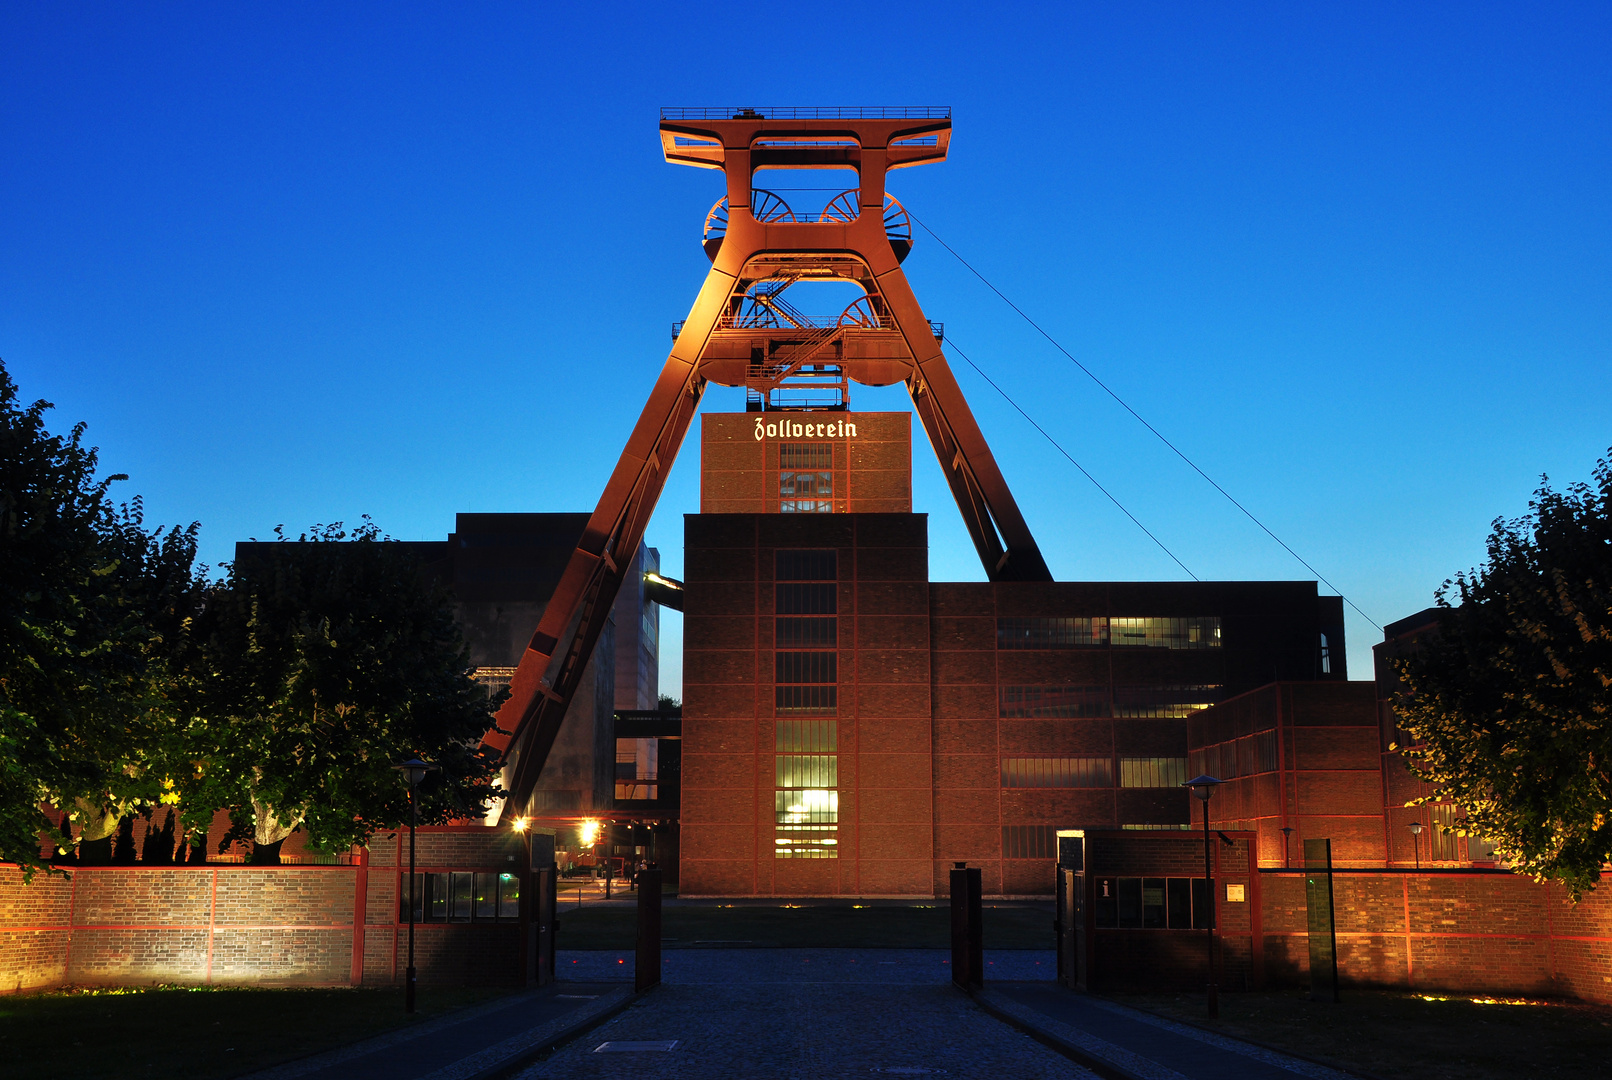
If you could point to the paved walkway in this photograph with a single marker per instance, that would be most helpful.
(1130, 1043)
(822, 1014)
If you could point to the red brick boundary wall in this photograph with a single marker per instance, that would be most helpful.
(255, 925)
(1465, 931)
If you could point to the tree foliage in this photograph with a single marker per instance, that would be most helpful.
(283, 693)
(329, 660)
(1511, 700)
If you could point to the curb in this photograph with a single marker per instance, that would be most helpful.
(517, 1059)
(1079, 1055)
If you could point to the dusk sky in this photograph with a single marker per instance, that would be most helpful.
(301, 263)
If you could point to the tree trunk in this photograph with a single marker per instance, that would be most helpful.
(266, 854)
(98, 826)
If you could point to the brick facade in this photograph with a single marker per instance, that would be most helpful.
(256, 925)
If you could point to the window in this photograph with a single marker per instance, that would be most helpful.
(1043, 702)
(806, 673)
(1442, 847)
(806, 566)
(806, 455)
(800, 598)
(1029, 841)
(806, 667)
(462, 896)
(1163, 702)
(1326, 656)
(1199, 632)
(1057, 772)
(1050, 633)
(1246, 756)
(1152, 772)
(637, 768)
(1132, 903)
(797, 631)
(807, 736)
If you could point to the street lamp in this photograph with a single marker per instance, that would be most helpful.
(414, 770)
(1287, 846)
(1416, 840)
(1202, 788)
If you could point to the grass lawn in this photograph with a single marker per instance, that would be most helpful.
(1403, 1036)
(815, 926)
(197, 1034)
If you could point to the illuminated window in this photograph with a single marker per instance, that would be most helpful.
(807, 799)
(1029, 841)
(1050, 633)
(806, 455)
(1163, 702)
(807, 736)
(637, 768)
(1043, 702)
(1152, 772)
(1058, 772)
(1199, 632)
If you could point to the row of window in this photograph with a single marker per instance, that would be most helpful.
(1131, 702)
(1166, 632)
(806, 455)
(1237, 757)
(806, 796)
(637, 768)
(1092, 771)
(462, 897)
(1150, 903)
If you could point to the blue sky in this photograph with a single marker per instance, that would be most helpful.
(299, 263)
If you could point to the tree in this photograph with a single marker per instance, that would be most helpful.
(92, 609)
(1511, 700)
(331, 659)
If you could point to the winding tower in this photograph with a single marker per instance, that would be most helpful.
(744, 331)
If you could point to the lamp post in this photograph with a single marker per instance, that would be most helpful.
(414, 770)
(1287, 846)
(1416, 841)
(1202, 788)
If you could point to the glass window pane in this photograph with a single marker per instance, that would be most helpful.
(419, 899)
(1153, 903)
(509, 896)
(486, 896)
(1130, 902)
(1200, 904)
(459, 903)
(436, 886)
(1180, 903)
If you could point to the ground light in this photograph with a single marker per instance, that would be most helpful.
(1202, 788)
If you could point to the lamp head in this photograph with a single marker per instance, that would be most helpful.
(1416, 828)
(1203, 786)
(414, 770)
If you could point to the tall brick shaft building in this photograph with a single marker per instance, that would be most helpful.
(852, 728)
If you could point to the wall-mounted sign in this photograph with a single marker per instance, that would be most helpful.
(791, 429)
(1236, 894)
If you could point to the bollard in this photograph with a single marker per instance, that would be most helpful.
(646, 966)
(968, 942)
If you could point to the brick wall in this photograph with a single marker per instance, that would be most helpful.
(283, 925)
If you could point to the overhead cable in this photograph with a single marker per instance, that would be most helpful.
(1158, 434)
(952, 345)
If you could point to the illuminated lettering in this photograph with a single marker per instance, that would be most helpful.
(761, 430)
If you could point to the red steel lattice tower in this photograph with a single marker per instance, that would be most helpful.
(742, 331)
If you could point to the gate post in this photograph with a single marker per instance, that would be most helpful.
(968, 952)
(646, 964)
(545, 922)
(1070, 921)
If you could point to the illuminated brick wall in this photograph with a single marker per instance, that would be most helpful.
(233, 924)
(866, 458)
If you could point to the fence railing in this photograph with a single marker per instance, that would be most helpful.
(817, 112)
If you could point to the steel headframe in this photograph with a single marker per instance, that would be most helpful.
(741, 332)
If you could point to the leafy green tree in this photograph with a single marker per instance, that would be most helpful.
(92, 611)
(1511, 700)
(330, 659)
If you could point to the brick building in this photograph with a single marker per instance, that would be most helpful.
(852, 728)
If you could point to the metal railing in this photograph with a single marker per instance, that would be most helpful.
(729, 322)
(821, 112)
